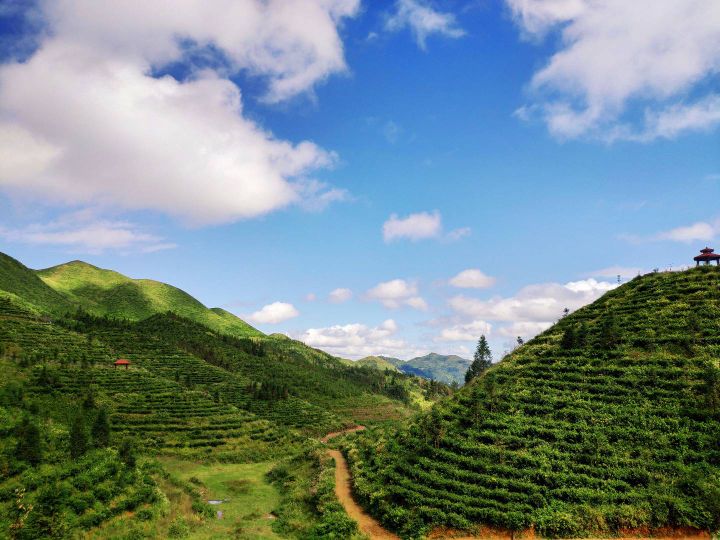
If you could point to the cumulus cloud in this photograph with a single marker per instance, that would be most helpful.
(472, 278)
(701, 231)
(419, 226)
(533, 308)
(656, 55)
(340, 295)
(83, 120)
(423, 21)
(465, 332)
(274, 313)
(397, 293)
(85, 232)
(359, 340)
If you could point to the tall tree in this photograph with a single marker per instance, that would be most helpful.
(101, 429)
(481, 360)
(28, 442)
(78, 437)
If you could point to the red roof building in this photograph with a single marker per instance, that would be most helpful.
(707, 255)
(122, 362)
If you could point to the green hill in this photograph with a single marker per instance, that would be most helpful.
(443, 368)
(606, 424)
(90, 448)
(376, 362)
(26, 287)
(105, 292)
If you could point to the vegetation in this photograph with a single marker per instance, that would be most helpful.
(113, 451)
(481, 360)
(448, 369)
(608, 422)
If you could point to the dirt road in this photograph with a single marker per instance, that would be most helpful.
(368, 525)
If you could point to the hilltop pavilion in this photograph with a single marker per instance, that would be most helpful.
(707, 255)
(122, 362)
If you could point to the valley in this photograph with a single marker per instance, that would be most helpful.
(607, 424)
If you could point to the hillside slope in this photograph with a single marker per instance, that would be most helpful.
(607, 423)
(376, 362)
(20, 281)
(106, 292)
(442, 368)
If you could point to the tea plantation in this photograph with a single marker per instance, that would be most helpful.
(608, 423)
(83, 441)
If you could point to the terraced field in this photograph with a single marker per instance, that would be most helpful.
(607, 422)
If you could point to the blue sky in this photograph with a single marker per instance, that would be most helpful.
(448, 168)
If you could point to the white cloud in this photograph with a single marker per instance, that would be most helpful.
(414, 227)
(534, 303)
(83, 121)
(274, 313)
(340, 295)
(84, 232)
(358, 340)
(310, 297)
(655, 54)
(524, 329)
(531, 310)
(697, 231)
(472, 278)
(701, 231)
(396, 293)
(465, 332)
(423, 21)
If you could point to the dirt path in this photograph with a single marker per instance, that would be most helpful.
(334, 434)
(368, 525)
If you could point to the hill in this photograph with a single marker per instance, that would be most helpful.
(606, 424)
(447, 369)
(90, 447)
(106, 292)
(20, 281)
(377, 362)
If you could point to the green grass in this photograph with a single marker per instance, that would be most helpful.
(608, 421)
(251, 499)
(106, 292)
(17, 279)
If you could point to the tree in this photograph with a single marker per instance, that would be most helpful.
(126, 452)
(481, 360)
(28, 442)
(569, 338)
(101, 429)
(520, 341)
(78, 437)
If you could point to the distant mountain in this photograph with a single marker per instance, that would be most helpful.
(443, 368)
(106, 292)
(377, 362)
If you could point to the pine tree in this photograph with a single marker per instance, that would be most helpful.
(569, 338)
(101, 429)
(481, 360)
(78, 437)
(28, 442)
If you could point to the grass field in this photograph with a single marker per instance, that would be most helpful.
(250, 499)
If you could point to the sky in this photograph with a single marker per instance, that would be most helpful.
(392, 177)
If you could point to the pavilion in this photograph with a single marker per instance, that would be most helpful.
(707, 255)
(122, 362)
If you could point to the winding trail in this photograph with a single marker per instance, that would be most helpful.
(368, 525)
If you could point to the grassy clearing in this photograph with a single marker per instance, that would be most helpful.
(250, 499)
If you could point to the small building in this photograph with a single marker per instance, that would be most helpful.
(122, 362)
(706, 255)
